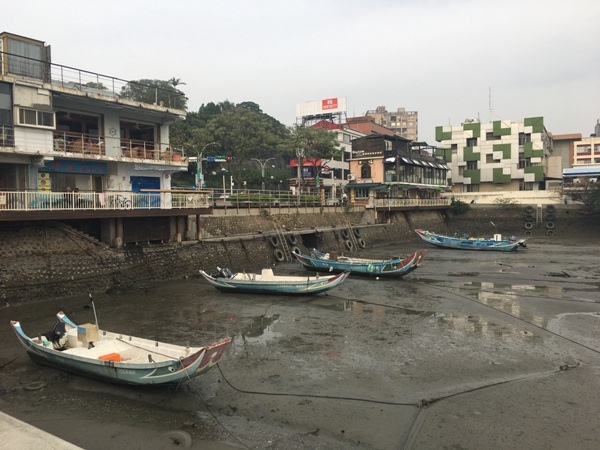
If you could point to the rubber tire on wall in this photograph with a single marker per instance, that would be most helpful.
(274, 241)
(361, 243)
(549, 225)
(356, 232)
(529, 209)
(550, 216)
(549, 232)
(349, 245)
(292, 239)
(345, 234)
(528, 233)
(528, 225)
(529, 218)
(295, 250)
(550, 208)
(279, 256)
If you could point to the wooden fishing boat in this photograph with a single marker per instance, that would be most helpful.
(268, 283)
(331, 262)
(496, 243)
(87, 350)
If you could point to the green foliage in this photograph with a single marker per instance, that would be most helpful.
(594, 200)
(155, 92)
(458, 207)
(311, 142)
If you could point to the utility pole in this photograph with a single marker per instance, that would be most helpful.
(199, 175)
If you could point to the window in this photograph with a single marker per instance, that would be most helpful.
(524, 138)
(365, 171)
(471, 165)
(524, 162)
(361, 193)
(471, 142)
(584, 149)
(489, 136)
(36, 118)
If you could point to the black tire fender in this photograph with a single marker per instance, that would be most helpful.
(550, 225)
(550, 208)
(274, 241)
(295, 250)
(529, 209)
(356, 232)
(528, 225)
(549, 232)
(292, 239)
(361, 243)
(279, 256)
(550, 216)
(345, 233)
(349, 245)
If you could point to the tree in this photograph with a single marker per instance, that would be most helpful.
(243, 133)
(308, 144)
(175, 82)
(155, 92)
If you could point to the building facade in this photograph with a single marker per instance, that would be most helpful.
(395, 171)
(402, 122)
(79, 144)
(499, 156)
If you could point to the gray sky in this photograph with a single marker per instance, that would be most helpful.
(441, 58)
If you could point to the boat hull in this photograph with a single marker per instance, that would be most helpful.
(503, 245)
(161, 371)
(368, 267)
(286, 285)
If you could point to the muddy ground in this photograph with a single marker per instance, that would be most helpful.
(473, 350)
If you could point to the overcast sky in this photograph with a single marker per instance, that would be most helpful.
(450, 60)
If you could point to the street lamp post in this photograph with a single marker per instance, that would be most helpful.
(262, 167)
(199, 175)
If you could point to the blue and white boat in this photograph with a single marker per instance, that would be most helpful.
(268, 283)
(119, 358)
(331, 262)
(496, 243)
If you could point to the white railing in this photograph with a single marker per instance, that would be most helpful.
(410, 202)
(112, 200)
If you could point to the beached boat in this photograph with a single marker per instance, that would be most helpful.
(495, 243)
(331, 262)
(115, 357)
(268, 283)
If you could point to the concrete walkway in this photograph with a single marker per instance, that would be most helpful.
(17, 434)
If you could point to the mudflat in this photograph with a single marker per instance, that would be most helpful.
(472, 350)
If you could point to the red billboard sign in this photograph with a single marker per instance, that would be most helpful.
(329, 103)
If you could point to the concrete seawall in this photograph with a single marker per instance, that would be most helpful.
(51, 259)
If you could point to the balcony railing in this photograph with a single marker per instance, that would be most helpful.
(110, 200)
(82, 145)
(91, 82)
(410, 202)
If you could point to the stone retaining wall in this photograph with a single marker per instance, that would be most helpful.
(41, 260)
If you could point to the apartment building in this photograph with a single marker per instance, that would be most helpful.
(79, 145)
(502, 155)
(402, 122)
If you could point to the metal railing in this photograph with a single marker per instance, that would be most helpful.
(410, 202)
(110, 200)
(91, 82)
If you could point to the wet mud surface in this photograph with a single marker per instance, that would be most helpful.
(473, 350)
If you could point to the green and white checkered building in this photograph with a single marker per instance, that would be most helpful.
(497, 156)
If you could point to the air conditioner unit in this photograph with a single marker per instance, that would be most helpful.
(351, 177)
